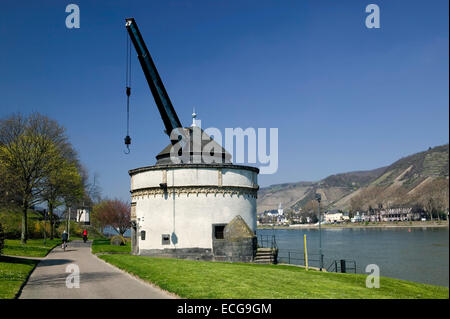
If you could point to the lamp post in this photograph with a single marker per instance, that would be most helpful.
(45, 227)
(68, 225)
(319, 198)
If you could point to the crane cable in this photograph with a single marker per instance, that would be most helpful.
(128, 92)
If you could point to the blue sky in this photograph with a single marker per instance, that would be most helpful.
(344, 97)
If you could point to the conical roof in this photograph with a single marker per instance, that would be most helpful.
(202, 149)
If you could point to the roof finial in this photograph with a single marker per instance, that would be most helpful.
(194, 116)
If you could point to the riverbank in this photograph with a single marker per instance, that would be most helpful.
(362, 225)
(221, 280)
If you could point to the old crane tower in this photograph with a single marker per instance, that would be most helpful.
(193, 203)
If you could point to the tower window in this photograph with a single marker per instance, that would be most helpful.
(165, 239)
(218, 231)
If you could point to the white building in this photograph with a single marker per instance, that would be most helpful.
(181, 210)
(83, 216)
(357, 218)
(281, 217)
(335, 216)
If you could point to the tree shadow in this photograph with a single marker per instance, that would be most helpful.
(57, 280)
(18, 260)
(54, 262)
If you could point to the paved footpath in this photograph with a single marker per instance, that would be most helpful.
(97, 279)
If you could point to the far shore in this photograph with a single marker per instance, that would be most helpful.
(362, 225)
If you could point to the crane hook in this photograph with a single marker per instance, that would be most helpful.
(128, 93)
(128, 138)
(127, 144)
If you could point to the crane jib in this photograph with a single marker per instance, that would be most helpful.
(162, 100)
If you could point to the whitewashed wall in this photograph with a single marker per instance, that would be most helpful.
(191, 215)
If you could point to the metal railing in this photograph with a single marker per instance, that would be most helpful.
(342, 265)
(267, 241)
(297, 257)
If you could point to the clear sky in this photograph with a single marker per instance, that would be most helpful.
(344, 97)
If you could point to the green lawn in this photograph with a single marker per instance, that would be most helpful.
(33, 247)
(199, 279)
(13, 273)
(104, 246)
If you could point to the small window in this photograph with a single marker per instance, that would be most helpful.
(165, 239)
(218, 231)
(142, 234)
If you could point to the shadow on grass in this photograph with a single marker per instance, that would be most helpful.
(18, 260)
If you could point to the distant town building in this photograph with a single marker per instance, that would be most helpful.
(336, 216)
(387, 215)
(357, 218)
(281, 217)
(398, 214)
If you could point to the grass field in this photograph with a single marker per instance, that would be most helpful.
(200, 279)
(104, 246)
(33, 247)
(13, 273)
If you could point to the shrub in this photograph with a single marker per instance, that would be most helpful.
(75, 229)
(2, 239)
(118, 240)
(12, 223)
(11, 220)
(38, 229)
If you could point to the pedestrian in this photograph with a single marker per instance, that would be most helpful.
(84, 235)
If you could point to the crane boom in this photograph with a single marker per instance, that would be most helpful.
(162, 100)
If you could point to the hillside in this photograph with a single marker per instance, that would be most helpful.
(393, 183)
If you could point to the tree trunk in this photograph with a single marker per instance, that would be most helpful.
(24, 235)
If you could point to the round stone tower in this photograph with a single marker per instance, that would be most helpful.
(181, 210)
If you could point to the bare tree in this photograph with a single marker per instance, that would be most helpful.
(114, 213)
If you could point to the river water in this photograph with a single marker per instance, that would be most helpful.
(415, 254)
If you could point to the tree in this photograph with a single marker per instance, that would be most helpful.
(8, 196)
(311, 206)
(304, 220)
(314, 218)
(30, 148)
(432, 197)
(114, 213)
(63, 182)
(442, 196)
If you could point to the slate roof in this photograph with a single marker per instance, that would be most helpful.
(199, 141)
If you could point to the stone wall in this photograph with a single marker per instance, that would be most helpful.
(242, 250)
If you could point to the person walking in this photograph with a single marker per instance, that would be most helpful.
(65, 238)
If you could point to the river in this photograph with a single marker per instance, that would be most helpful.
(415, 254)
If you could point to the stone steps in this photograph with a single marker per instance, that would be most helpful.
(265, 256)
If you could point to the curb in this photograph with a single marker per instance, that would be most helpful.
(19, 292)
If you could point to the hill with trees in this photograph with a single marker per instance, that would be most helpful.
(420, 180)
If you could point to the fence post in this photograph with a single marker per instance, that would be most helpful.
(343, 270)
(289, 257)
